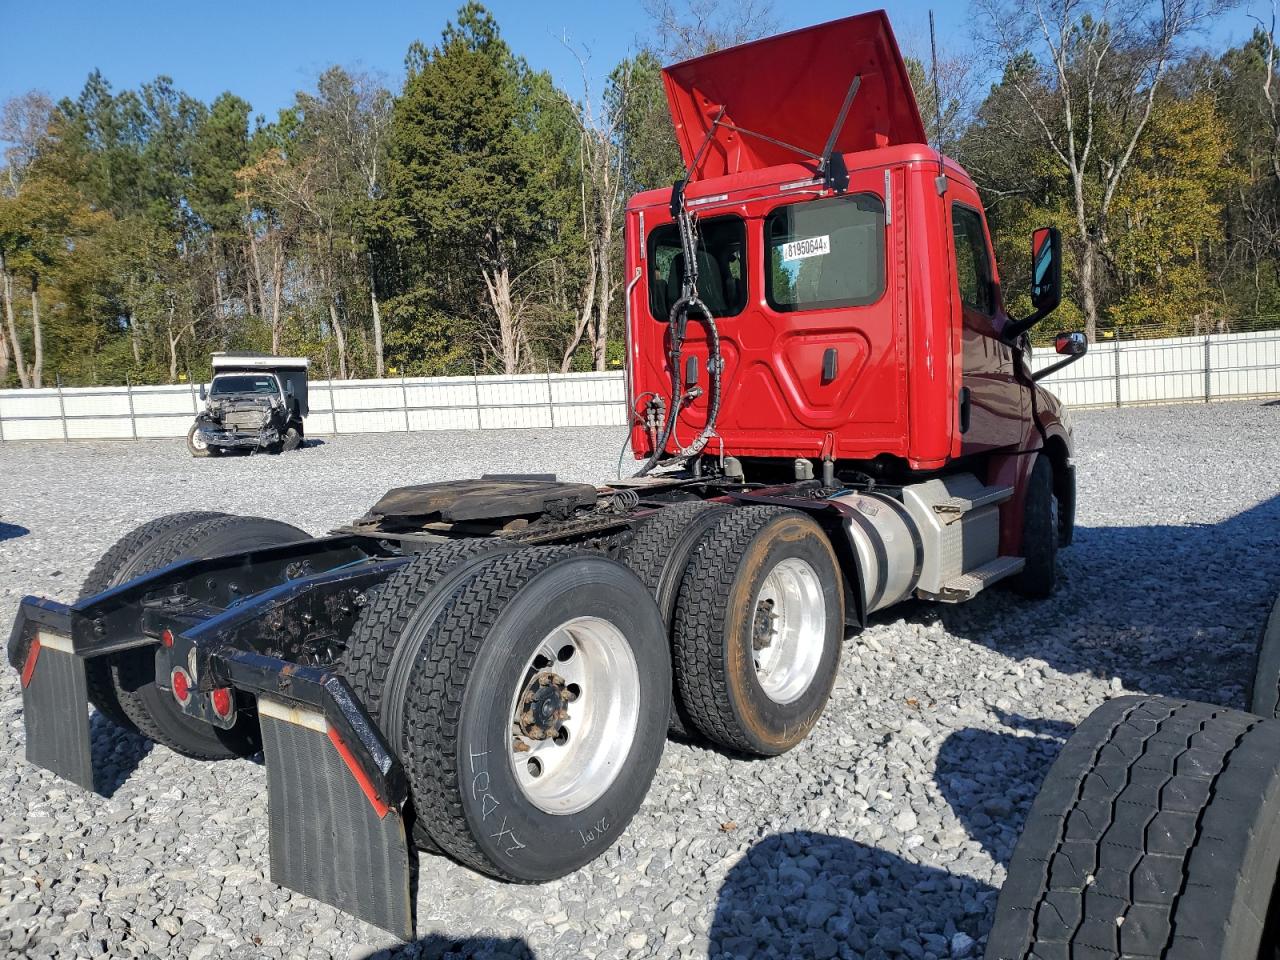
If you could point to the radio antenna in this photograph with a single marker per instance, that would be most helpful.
(937, 96)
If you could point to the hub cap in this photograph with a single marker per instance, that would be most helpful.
(789, 630)
(574, 715)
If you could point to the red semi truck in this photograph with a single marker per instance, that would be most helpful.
(833, 410)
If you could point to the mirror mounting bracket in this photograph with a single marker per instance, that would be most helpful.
(1066, 361)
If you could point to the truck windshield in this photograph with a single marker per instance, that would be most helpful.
(722, 274)
(825, 253)
(259, 383)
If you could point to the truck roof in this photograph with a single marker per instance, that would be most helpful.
(229, 361)
(740, 187)
(777, 100)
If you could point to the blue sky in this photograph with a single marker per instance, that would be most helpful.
(266, 50)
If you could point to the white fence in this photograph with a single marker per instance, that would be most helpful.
(1216, 367)
(340, 406)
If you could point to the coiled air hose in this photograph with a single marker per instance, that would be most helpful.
(678, 321)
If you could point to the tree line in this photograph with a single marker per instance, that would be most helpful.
(470, 220)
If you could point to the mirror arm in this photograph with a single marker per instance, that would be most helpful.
(1013, 330)
(1055, 367)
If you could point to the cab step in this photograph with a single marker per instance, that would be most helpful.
(969, 585)
(953, 508)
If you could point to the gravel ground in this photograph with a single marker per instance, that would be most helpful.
(885, 834)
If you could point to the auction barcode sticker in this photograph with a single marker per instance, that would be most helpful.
(808, 247)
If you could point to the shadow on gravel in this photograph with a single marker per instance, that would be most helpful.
(1172, 610)
(436, 947)
(116, 753)
(12, 531)
(812, 895)
(990, 778)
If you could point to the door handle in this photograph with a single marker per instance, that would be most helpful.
(830, 365)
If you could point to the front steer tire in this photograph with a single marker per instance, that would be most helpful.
(196, 446)
(727, 660)
(153, 711)
(1040, 533)
(461, 714)
(1155, 834)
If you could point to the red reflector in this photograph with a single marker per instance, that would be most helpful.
(166, 637)
(366, 785)
(181, 686)
(29, 667)
(222, 702)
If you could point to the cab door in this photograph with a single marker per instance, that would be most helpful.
(994, 399)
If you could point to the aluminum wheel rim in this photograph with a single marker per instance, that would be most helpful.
(197, 441)
(789, 630)
(594, 662)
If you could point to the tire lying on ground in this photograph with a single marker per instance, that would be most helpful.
(1264, 693)
(122, 686)
(1156, 834)
(659, 555)
(537, 712)
(384, 644)
(758, 628)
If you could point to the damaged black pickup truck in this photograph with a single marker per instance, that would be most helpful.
(254, 404)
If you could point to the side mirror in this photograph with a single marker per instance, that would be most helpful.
(204, 394)
(288, 388)
(1046, 281)
(1071, 344)
(1046, 270)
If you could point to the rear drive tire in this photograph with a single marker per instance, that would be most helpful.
(659, 555)
(1039, 534)
(153, 711)
(758, 628)
(380, 656)
(128, 558)
(1155, 834)
(1264, 694)
(535, 635)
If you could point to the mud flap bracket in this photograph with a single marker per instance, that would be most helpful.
(331, 836)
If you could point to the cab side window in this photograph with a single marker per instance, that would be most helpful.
(973, 266)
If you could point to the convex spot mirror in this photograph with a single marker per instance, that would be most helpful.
(1071, 344)
(1046, 270)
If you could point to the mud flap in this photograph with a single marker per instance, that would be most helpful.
(331, 837)
(55, 709)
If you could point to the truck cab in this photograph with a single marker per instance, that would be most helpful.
(848, 270)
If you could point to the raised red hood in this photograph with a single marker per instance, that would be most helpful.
(791, 88)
